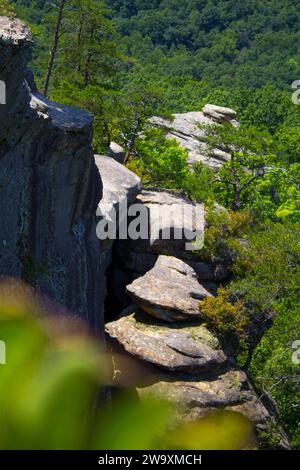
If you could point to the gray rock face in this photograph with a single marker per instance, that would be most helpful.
(116, 152)
(49, 189)
(185, 129)
(170, 291)
(120, 188)
(131, 260)
(187, 349)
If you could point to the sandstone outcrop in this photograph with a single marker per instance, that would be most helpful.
(177, 348)
(173, 222)
(170, 291)
(189, 131)
(168, 214)
(219, 113)
(230, 390)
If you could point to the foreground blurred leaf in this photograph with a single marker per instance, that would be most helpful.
(223, 430)
(132, 425)
(50, 388)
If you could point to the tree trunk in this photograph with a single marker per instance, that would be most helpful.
(131, 143)
(234, 183)
(86, 78)
(79, 44)
(54, 47)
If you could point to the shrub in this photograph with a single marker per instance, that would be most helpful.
(227, 318)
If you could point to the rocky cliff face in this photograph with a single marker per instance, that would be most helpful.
(49, 188)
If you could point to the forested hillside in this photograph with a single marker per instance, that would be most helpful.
(128, 60)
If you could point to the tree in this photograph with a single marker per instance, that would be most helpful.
(142, 103)
(89, 49)
(249, 157)
(267, 278)
(57, 35)
(160, 161)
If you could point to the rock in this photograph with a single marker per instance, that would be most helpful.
(220, 155)
(174, 221)
(189, 131)
(175, 348)
(209, 272)
(195, 397)
(120, 188)
(219, 113)
(139, 263)
(170, 291)
(116, 152)
(49, 189)
(119, 184)
(29, 77)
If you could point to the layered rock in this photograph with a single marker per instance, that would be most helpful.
(163, 330)
(189, 131)
(49, 188)
(170, 291)
(219, 113)
(177, 348)
(172, 221)
(230, 390)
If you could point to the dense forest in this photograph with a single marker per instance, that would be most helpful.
(127, 60)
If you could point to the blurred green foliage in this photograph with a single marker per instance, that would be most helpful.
(52, 392)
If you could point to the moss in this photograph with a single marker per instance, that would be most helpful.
(200, 333)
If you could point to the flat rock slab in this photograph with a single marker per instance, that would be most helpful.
(176, 348)
(194, 398)
(170, 291)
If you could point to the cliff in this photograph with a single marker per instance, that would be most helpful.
(49, 188)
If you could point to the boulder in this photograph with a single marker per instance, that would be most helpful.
(170, 291)
(231, 390)
(176, 348)
(219, 113)
(116, 152)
